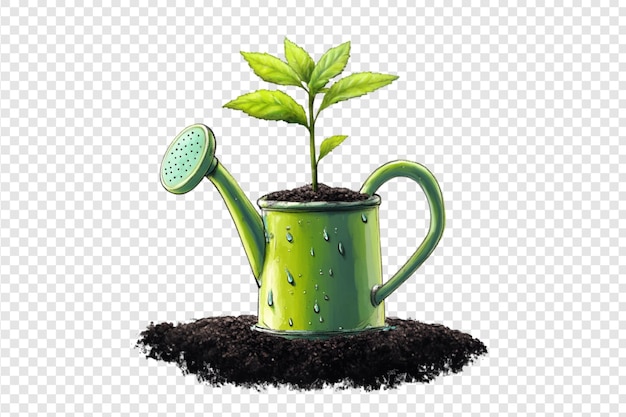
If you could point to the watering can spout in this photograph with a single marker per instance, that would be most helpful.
(246, 218)
(191, 157)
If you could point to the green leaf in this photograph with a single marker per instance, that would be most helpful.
(329, 144)
(299, 60)
(329, 66)
(269, 105)
(355, 85)
(271, 69)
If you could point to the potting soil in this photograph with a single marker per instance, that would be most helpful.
(323, 193)
(221, 350)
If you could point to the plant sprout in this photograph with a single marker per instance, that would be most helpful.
(301, 71)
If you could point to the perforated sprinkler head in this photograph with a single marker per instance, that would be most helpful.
(188, 159)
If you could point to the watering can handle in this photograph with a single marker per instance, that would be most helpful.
(427, 181)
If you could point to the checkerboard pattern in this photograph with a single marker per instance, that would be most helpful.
(518, 111)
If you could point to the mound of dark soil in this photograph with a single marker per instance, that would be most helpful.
(221, 350)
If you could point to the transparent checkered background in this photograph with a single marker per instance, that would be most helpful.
(518, 111)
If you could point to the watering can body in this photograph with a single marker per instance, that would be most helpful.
(322, 261)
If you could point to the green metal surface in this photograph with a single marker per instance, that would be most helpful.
(246, 218)
(427, 181)
(322, 260)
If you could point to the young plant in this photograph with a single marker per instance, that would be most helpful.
(301, 71)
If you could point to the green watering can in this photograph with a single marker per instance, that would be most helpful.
(317, 264)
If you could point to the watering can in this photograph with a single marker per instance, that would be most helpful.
(317, 265)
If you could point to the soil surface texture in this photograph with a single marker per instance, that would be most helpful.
(220, 350)
(323, 193)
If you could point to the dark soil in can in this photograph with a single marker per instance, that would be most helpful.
(323, 193)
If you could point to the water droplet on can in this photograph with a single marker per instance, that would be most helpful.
(288, 227)
(310, 323)
(289, 237)
(289, 277)
(312, 252)
(290, 322)
(270, 298)
(341, 249)
(326, 238)
(321, 319)
(316, 307)
(321, 273)
(326, 297)
(330, 272)
(317, 287)
(336, 230)
(364, 218)
(340, 328)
